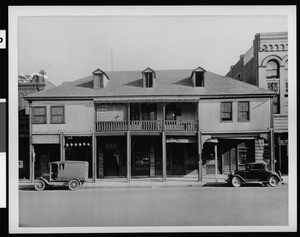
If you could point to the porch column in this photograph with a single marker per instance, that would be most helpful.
(164, 156)
(199, 146)
(128, 156)
(94, 154)
(164, 150)
(31, 148)
(272, 149)
(62, 145)
(216, 162)
(272, 161)
(279, 152)
(200, 156)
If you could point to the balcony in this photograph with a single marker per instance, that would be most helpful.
(147, 125)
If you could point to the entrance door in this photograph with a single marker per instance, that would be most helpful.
(177, 158)
(142, 163)
(229, 155)
(111, 163)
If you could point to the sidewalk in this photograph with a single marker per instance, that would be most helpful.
(207, 181)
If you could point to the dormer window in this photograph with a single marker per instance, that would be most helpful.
(198, 76)
(100, 79)
(199, 79)
(148, 78)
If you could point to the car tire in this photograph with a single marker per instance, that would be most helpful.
(273, 181)
(236, 182)
(73, 184)
(39, 185)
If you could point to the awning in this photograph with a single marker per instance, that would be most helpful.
(110, 100)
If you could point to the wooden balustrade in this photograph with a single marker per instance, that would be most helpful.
(181, 125)
(147, 125)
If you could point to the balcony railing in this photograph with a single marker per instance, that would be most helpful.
(147, 125)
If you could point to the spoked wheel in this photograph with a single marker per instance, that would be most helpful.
(273, 181)
(236, 182)
(39, 185)
(73, 184)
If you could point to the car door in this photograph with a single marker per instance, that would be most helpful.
(254, 173)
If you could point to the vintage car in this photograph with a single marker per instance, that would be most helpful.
(64, 173)
(254, 173)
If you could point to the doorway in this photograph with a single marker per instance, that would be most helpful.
(111, 163)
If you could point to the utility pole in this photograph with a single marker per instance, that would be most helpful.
(111, 57)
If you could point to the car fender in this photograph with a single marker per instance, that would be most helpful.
(43, 179)
(276, 175)
(240, 177)
(80, 184)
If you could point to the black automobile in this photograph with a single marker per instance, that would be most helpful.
(254, 173)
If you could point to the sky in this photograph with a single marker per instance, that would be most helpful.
(71, 47)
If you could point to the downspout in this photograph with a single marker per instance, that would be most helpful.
(31, 155)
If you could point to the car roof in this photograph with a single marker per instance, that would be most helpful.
(257, 163)
(68, 161)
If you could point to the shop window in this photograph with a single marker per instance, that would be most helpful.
(226, 111)
(243, 111)
(57, 114)
(272, 70)
(39, 115)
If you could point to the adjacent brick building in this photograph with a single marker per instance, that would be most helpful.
(265, 65)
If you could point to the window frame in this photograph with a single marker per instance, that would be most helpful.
(199, 79)
(277, 76)
(63, 115)
(149, 77)
(34, 116)
(238, 111)
(221, 112)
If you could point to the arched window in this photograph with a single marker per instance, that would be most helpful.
(272, 69)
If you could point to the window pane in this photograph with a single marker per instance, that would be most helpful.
(243, 111)
(57, 110)
(39, 119)
(39, 111)
(272, 69)
(57, 114)
(226, 111)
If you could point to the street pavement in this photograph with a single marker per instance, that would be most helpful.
(152, 203)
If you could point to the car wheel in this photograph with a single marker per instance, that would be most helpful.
(236, 182)
(39, 185)
(273, 181)
(73, 184)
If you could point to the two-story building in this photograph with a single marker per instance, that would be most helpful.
(27, 84)
(265, 65)
(152, 123)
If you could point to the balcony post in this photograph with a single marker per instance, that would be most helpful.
(164, 156)
(31, 147)
(128, 117)
(62, 145)
(272, 147)
(128, 156)
(164, 117)
(94, 156)
(199, 146)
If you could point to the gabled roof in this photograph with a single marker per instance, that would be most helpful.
(168, 83)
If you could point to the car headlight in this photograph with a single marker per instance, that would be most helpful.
(232, 172)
